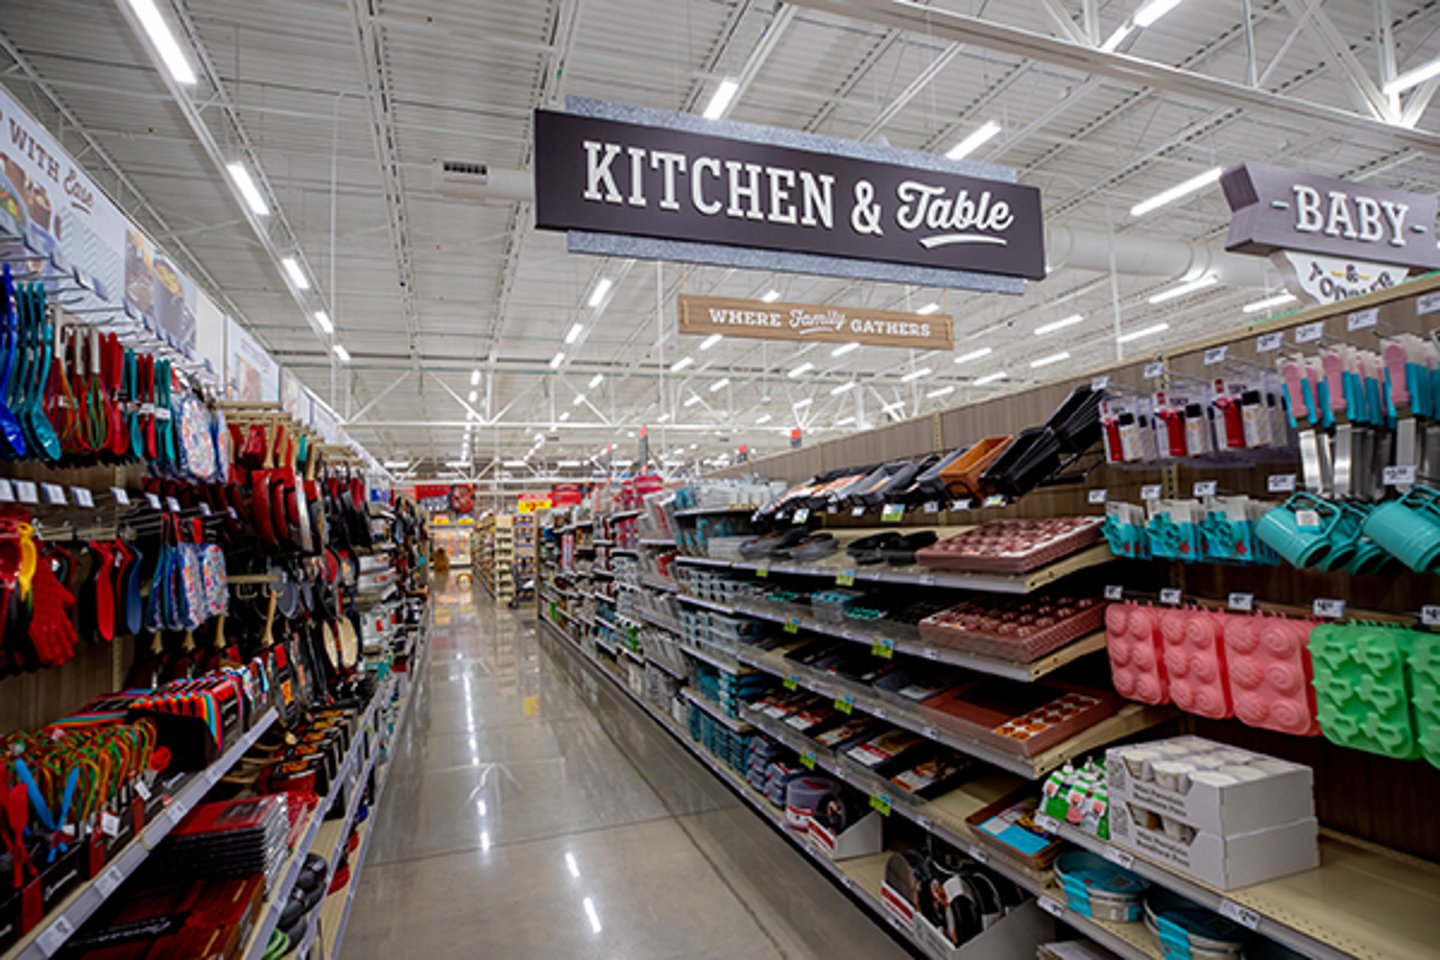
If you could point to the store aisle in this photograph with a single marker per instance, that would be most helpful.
(535, 812)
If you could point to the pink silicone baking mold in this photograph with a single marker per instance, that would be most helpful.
(1195, 662)
(1137, 665)
(1270, 673)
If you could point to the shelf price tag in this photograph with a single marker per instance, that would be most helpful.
(1051, 906)
(82, 496)
(960, 504)
(1362, 319)
(807, 760)
(880, 803)
(845, 704)
(762, 572)
(1399, 476)
(978, 854)
(790, 683)
(7, 493)
(1242, 602)
(883, 648)
(1114, 592)
(153, 500)
(1119, 857)
(1244, 916)
(1268, 342)
(1151, 491)
(54, 494)
(792, 625)
(995, 500)
(1310, 332)
(26, 491)
(1047, 823)
(55, 936)
(1216, 355)
(801, 515)
(172, 504)
(1098, 496)
(857, 511)
(1171, 596)
(832, 509)
(1327, 608)
(931, 506)
(109, 824)
(1154, 370)
(1204, 488)
(845, 578)
(893, 513)
(1430, 615)
(1099, 383)
(108, 881)
(1280, 483)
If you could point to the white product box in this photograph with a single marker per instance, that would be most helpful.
(1250, 792)
(1226, 862)
(860, 839)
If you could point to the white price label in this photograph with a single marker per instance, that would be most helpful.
(1099, 383)
(1119, 857)
(1151, 491)
(233, 514)
(1310, 332)
(1098, 496)
(1114, 592)
(7, 494)
(1399, 476)
(978, 854)
(1154, 371)
(153, 500)
(802, 515)
(82, 497)
(930, 653)
(929, 733)
(1429, 303)
(108, 881)
(1328, 608)
(1170, 595)
(1280, 483)
(142, 789)
(927, 580)
(1242, 602)
(54, 494)
(1204, 488)
(172, 504)
(1216, 355)
(1235, 913)
(925, 823)
(204, 508)
(832, 509)
(931, 506)
(1268, 342)
(55, 936)
(1307, 519)
(960, 505)
(26, 491)
(1051, 906)
(1047, 823)
(1362, 319)
(120, 495)
(109, 824)
(857, 512)
(1430, 615)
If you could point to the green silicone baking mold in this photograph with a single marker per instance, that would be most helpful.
(1425, 694)
(1361, 687)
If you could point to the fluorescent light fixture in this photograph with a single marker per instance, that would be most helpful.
(681, 364)
(974, 355)
(844, 348)
(991, 378)
(711, 340)
(771, 296)
(248, 190)
(565, 416)
(296, 275)
(942, 392)
(514, 463)
(1149, 331)
(835, 392)
(764, 419)
(802, 404)
(1410, 78)
(720, 100)
(1209, 280)
(691, 400)
(567, 463)
(1061, 324)
(720, 384)
(800, 370)
(1183, 189)
(1153, 10)
(558, 359)
(1053, 358)
(602, 287)
(663, 418)
(472, 396)
(396, 464)
(916, 374)
(694, 446)
(579, 399)
(539, 437)
(1113, 41)
(978, 138)
(323, 318)
(159, 33)
(896, 405)
(844, 421)
(342, 353)
(928, 309)
(1279, 300)
(573, 333)
(474, 375)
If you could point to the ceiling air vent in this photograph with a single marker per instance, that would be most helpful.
(472, 180)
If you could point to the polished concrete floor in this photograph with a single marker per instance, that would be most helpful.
(534, 811)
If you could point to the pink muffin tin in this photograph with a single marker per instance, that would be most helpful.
(1270, 673)
(1137, 662)
(1012, 546)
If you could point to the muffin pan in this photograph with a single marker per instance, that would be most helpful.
(1021, 630)
(1012, 546)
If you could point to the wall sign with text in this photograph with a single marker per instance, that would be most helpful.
(662, 182)
(799, 321)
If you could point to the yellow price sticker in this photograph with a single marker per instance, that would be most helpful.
(884, 647)
(762, 572)
(881, 804)
(845, 704)
(845, 578)
(792, 625)
(807, 760)
(790, 683)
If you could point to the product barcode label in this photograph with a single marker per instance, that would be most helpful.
(1235, 913)
(1114, 592)
(1430, 615)
(1243, 602)
(960, 505)
(1204, 488)
(1051, 906)
(1047, 823)
(55, 936)
(1328, 608)
(142, 789)
(1216, 355)
(26, 491)
(82, 497)
(931, 506)
(1399, 476)
(1154, 371)
(1362, 319)
(1170, 595)
(1310, 332)
(1151, 491)
(1098, 496)
(1267, 342)
(1307, 519)
(1280, 483)
(1099, 383)
(109, 824)
(1427, 304)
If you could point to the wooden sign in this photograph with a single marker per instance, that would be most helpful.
(703, 316)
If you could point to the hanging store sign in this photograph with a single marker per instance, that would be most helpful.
(675, 186)
(1332, 279)
(800, 321)
(1277, 209)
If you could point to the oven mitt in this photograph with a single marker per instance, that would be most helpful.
(52, 625)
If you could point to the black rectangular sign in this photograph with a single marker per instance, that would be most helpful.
(629, 179)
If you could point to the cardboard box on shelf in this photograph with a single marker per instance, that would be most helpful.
(1226, 862)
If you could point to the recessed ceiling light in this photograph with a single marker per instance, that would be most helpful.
(596, 380)
(565, 416)
(974, 355)
(602, 287)
(928, 309)
(991, 378)
(573, 333)
(711, 340)
(720, 100)
(843, 349)
(1061, 324)
(844, 421)
(771, 296)
(558, 359)
(1174, 193)
(1279, 300)
(720, 384)
(844, 387)
(942, 392)
(802, 369)
(1209, 280)
(916, 374)
(1053, 358)
(579, 399)
(763, 419)
(1149, 331)
(323, 319)
(297, 276)
(159, 32)
(802, 404)
(472, 396)
(475, 376)
(691, 400)
(681, 364)
(978, 138)
(248, 189)
(342, 353)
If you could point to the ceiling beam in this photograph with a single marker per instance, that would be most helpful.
(1062, 22)
(1320, 28)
